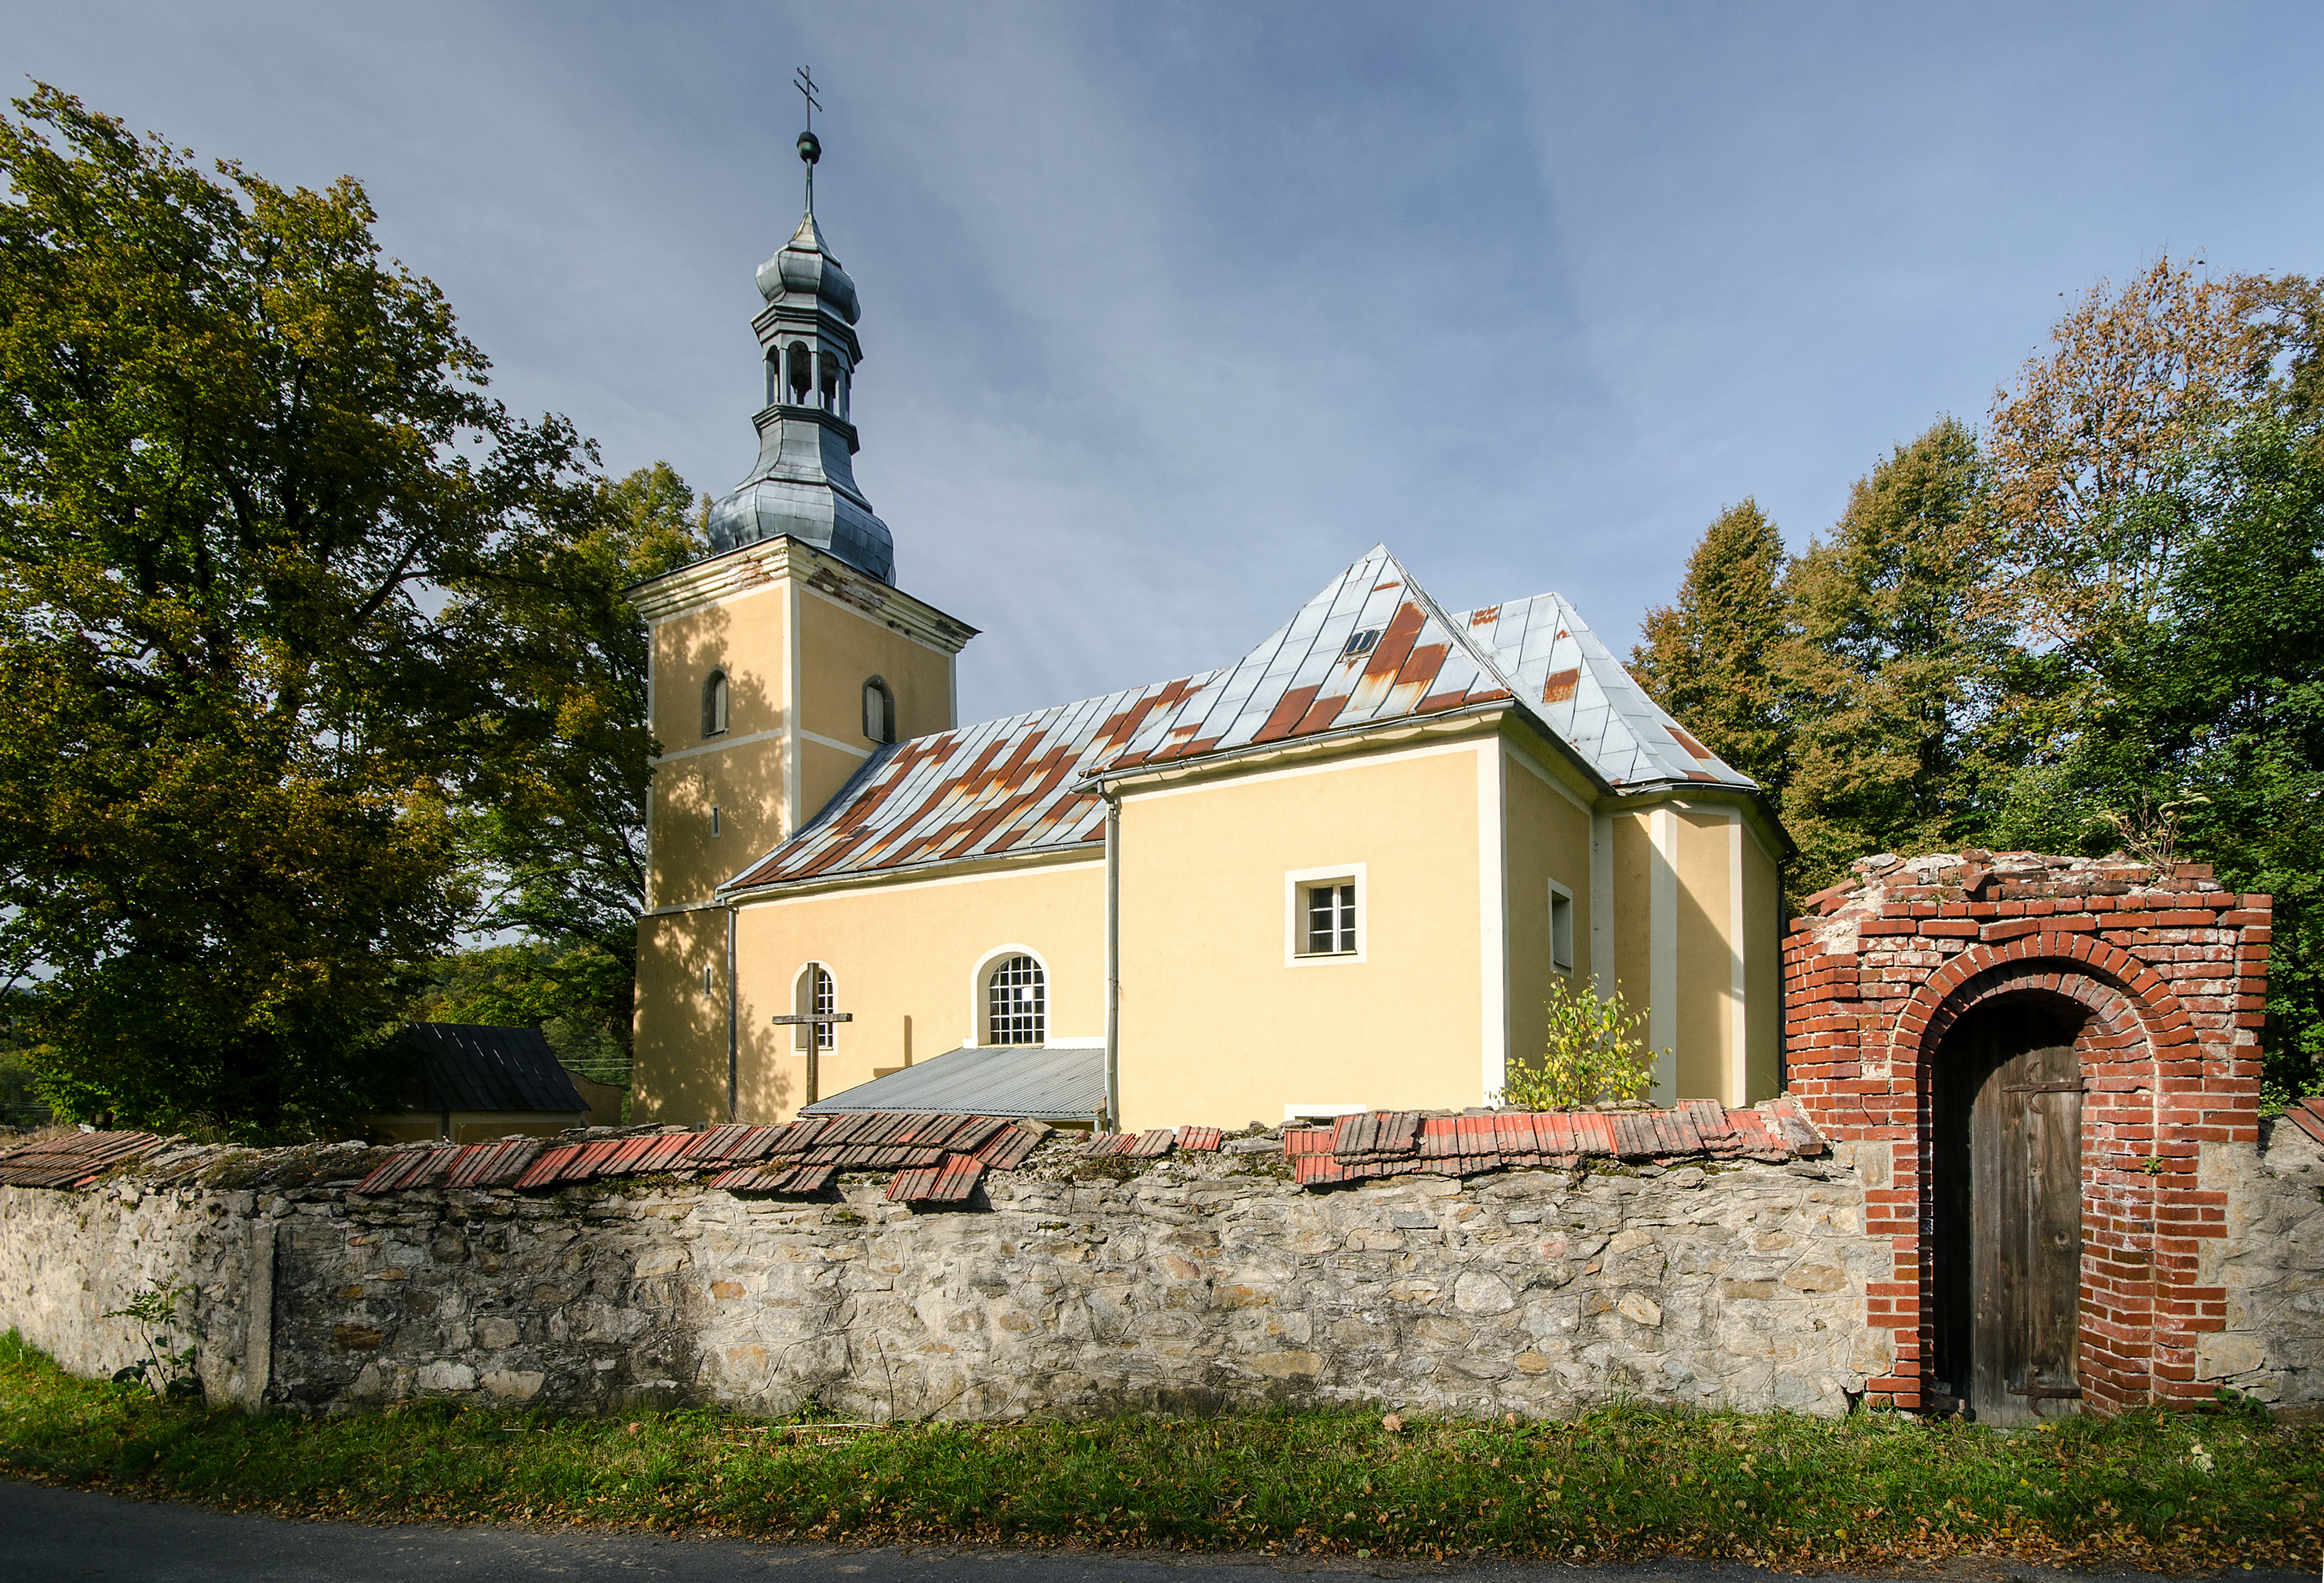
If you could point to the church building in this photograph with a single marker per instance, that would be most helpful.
(1343, 871)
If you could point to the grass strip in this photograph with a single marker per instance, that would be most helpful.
(2175, 1493)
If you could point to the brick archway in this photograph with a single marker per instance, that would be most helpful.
(2170, 974)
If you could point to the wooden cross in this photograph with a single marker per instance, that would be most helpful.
(814, 1046)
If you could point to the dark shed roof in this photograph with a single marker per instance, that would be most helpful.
(466, 1067)
(1029, 1080)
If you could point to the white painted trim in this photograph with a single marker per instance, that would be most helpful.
(1739, 1022)
(1541, 772)
(1293, 918)
(714, 746)
(897, 627)
(1566, 968)
(1662, 928)
(827, 741)
(1292, 1112)
(789, 899)
(975, 1040)
(1601, 905)
(793, 815)
(733, 597)
(1492, 922)
(1352, 761)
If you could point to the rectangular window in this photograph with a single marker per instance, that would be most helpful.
(1331, 919)
(1561, 928)
(1324, 914)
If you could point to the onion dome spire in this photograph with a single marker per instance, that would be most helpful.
(804, 485)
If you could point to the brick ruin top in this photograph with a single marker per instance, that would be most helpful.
(2005, 886)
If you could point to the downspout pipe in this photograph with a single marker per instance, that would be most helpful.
(1114, 958)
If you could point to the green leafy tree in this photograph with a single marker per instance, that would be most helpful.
(241, 462)
(1895, 675)
(2162, 492)
(1710, 657)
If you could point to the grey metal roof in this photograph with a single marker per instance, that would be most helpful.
(1567, 675)
(1370, 648)
(465, 1067)
(1006, 1080)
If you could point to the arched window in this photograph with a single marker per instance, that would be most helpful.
(879, 711)
(815, 995)
(830, 383)
(774, 377)
(714, 704)
(802, 377)
(1017, 995)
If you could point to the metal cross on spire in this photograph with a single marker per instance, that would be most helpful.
(803, 79)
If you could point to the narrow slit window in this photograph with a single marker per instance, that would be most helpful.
(714, 704)
(1561, 928)
(879, 711)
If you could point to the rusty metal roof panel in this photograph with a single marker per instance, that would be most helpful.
(1565, 673)
(1369, 648)
(1001, 787)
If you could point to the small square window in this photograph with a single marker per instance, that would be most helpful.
(1561, 928)
(1324, 918)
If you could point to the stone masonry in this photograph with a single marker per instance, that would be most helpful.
(1197, 1283)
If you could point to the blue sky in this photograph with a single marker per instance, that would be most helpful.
(1171, 309)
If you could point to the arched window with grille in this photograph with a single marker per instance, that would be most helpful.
(815, 995)
(714, 704)
(1016, 997)
(879, 711)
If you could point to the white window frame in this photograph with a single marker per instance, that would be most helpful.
(978, 1007)
(1296, 884)
(812, 1037)
(1557, 894)
(717, 703)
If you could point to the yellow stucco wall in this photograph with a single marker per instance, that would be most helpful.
(1706, 946)
(840, 647)
(1633, 937)
(1215, 1028)
(904, 959)
(1763, 967)
(679, 1072)
(745, 779)
(1546, 838)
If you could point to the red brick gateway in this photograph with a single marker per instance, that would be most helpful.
(1961, 1009)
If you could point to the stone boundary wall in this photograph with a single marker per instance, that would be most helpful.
(1068, 1287)
(2170, 973)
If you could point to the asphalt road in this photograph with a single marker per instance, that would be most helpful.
(48, 1535)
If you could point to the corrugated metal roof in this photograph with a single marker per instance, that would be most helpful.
(465, 1067)
(1007, 1079)
(1370, 648)
(1566, 673)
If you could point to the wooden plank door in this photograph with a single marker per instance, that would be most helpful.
(2008, 1245)
(2025, 1192)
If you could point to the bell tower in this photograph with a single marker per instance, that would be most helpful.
(782, 662)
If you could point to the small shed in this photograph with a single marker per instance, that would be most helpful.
(474, 1083)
